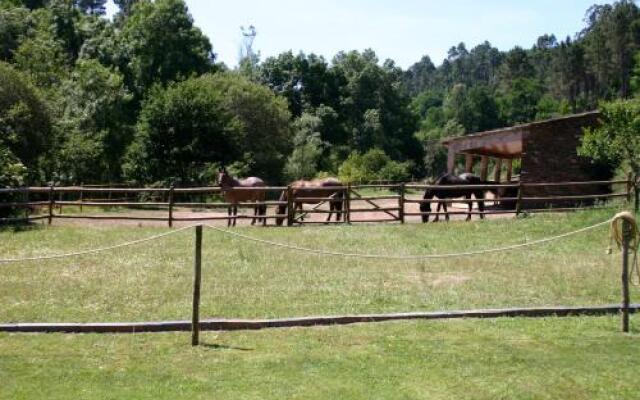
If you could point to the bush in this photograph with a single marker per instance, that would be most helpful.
(371, 166)
(215, 119)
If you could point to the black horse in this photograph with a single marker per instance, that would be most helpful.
(441, 194)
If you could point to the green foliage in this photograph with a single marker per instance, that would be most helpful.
(373, 165)
(617, 141)
(25, 122)
(159, 44)
(15, 24)
(94, 124)
(215, 119)
(307, 148)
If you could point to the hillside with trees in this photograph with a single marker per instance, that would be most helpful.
(141, 98)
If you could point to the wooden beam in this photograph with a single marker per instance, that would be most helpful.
(484, 167)
(497, 172)
(468, 163)
(451, 160)
(509, 169)
(244, 324)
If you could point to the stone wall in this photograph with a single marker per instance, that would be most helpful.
(550, 155)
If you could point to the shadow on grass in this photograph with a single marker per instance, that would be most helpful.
(215, 346)
(21, 227)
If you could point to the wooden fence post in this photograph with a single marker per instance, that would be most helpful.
(197, 278)
(627, 233)
(402, 191)
(290, 206)
(519, 201)
(25, 199)
(51, 200)
(81, 196)
(347, 204)
(171, 188)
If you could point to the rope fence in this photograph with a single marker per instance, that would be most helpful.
(624, 231)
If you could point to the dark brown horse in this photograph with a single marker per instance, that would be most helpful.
(442, 194)
(318, 188)
(228, 184)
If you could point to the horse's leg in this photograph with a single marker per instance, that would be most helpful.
(480, 201)
(446, 211)
(470, 206)
(437, 218)
(331, 209)
(255, 213)
(235, 215)
(229, 215)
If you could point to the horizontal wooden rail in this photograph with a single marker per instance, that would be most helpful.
(457, 187)
(362, 210)
(318, 211)
(112, 217)
(225, 205)
(374, 198)
(110, 204)
(459, 200)
(578, 197)
(489, 212)
(382, 186)
(256, 324)
(364, 221)
(227, 218)
(24, 205)
(593, 183)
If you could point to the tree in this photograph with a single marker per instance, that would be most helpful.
(93, 7)
(94, 124)
(159, 44)
(373, 165)
(307, 148)
(15, 24)
(25, 124)
(190, 127)
(616, 142)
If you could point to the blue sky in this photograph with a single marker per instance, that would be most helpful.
(403, 30)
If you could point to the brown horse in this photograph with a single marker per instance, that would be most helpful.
(228, 183)
(318, 188)
(441, 194)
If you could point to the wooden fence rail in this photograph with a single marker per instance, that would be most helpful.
(396, 206)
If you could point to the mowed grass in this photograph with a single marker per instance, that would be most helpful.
(581, 358)
(554, 358)
(153, 281)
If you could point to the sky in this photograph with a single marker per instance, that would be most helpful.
(403, 30)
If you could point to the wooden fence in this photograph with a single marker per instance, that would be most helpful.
(396, 203)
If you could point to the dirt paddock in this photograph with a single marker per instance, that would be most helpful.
(179, 213)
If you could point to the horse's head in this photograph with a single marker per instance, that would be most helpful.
(224, 179)
(282, 208)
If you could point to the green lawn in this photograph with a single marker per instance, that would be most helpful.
(506, 358)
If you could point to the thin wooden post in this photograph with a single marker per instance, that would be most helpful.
(25, 199)
(627, 233)
(347, 205)
(171, 189)
(497, 173)
(197, 278)
(519, 201)
(629, 187)
(81, 196)
(51, 200)
(468, 165)
(636, 194)
(484, 167)
(509, 169)
(402, 191)
(290, 206)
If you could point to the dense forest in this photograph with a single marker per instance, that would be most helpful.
(141, 98)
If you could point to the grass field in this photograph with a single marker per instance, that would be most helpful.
(506, 358)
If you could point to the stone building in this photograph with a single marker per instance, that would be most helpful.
(547, 151)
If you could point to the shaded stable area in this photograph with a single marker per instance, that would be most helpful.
(544, 152)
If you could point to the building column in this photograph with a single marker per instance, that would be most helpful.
(468, 167)
(497, 172)
(451, 160)
(484, 167)
(509, 169)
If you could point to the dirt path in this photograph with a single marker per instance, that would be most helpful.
(356, 217)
